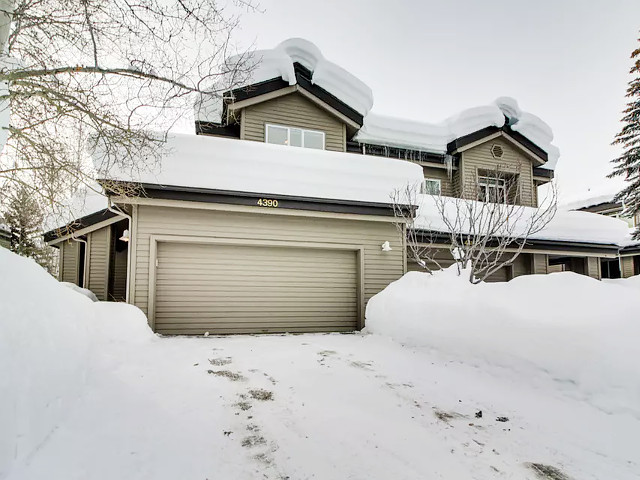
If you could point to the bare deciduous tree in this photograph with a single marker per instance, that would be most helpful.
(108, 70)
(405, 205)
(486, 228)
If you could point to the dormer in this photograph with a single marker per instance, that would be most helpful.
(294, 97)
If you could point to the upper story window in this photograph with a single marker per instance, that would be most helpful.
(492, 189)
(432, 186)
(295, 137)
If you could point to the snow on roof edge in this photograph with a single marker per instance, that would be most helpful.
(434, 137)
(241, 166)
(566, 226)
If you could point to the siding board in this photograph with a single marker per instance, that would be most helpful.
(69, 267)
(293, 110)
(98, 265)
(626, 266)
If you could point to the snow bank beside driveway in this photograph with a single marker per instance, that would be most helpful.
(579, 332)
(50, 336)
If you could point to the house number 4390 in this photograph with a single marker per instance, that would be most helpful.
(267, 202)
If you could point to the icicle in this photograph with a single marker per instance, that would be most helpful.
(448, 162)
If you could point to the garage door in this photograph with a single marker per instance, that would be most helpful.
(254, 289)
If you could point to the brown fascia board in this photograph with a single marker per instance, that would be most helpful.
(599, 207)
(291, 202)
(543, 172)
(548, 245)
(485, 132)
(631, 249)
(79, 224)
(303, 80)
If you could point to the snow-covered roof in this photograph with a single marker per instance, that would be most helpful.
(566, 226)
(589, 202)
(242, 166)
(279, 62)
(434, 137)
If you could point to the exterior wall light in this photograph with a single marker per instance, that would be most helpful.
(386, 247)
(125, 236)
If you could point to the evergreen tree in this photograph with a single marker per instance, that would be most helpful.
(24, 217)
(628, 164)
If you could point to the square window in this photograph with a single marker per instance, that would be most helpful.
(432, 186)
(314, 140)
(277, 135)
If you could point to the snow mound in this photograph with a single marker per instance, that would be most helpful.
(82, 291)
(50, 339)
(434, 137)
(568, 226)
(278, 62)
(579, 335)
(256, 167)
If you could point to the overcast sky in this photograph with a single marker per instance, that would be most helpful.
(565, 61)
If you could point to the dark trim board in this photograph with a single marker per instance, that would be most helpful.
(303, 79)
(543, 172)
(547, 245)
(79, 224)
(630, 250)
(205, 195)
(601, 206)
(485, 132)
(210, 128)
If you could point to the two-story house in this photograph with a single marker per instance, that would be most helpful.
(277, 216)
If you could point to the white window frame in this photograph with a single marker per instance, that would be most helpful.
(488, 183)
(303, 130)
(439, 181)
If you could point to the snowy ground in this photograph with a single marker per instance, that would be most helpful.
(333, 406)
(342, 406)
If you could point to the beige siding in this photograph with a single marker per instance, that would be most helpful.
(540, 263)
(69, 268)
(442, 258)
(293, 110)
(446, 183)
(119, 280)
(513, 161)
(220, 288)
(520, 266)
(380, 268)
(626, 266)
(593, 267)
(98, 264)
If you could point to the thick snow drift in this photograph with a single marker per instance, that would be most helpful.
(434, 137)
(49, 338)
(278, 63)
(572, 329)
(242, 166)
(568, 226)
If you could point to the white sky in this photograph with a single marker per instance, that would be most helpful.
(565, 61)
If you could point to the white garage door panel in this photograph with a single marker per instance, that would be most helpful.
(240, 289)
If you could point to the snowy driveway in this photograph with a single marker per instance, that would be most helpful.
(324, 407)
